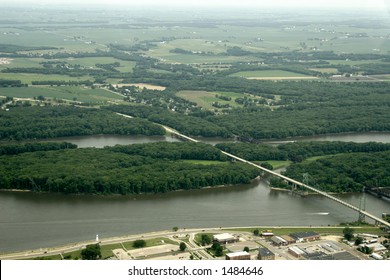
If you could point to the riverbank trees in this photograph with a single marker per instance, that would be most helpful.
(110, 171)
(344, 172)
(298, 151)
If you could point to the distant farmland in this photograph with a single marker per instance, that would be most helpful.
(271, 75)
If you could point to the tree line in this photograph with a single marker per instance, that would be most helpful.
(15, 149)
(11, 83)
(298, 151)
(186, 124)
(59, 121)
(343, 173)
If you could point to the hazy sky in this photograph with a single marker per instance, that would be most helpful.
(353, 4)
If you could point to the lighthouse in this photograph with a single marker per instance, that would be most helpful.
(97, 238)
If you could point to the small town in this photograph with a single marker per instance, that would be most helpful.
(275, 243)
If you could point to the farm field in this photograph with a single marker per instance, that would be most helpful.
(205, 99)
(29, 78)
(71, 93)
(271, 74)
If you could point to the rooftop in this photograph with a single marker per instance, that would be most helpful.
(304, 234)
(265, 252)
(237, 254)
(223, 236)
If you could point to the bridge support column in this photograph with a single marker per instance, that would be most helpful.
(362, 217)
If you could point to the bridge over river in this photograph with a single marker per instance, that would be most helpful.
(362, 213)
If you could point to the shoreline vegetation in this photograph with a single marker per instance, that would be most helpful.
(133, 169)
(134, 196)
(53, 166)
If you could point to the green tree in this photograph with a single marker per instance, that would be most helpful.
(139, 243)
(348, 233)
(366, 250)
(358, 241)
(246, 249)
(182, 246)
(267, 165)
(205, 239)
(218, 249)
(91, 252)
(175, 228)
(256, 232)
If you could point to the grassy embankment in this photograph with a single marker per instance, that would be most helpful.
(106, 250)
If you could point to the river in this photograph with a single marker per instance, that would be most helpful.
(99, 141)
(33, 221)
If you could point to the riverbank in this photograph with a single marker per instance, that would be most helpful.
(114, 242)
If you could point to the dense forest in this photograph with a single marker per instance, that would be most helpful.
(120, 170)
(59, 121)
(186, 124)
(14, 149)
(343, 173)
(298, 151)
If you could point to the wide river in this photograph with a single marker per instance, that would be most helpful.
(33, 221)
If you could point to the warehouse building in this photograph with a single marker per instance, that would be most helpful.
(265, 254)
(224, 238)
(278, 241)
(296, 252)
(305, 236)
(238, 256)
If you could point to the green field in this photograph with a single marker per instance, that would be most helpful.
(205, 162)
(278, 163)
(64, 92)
(28, 78)
(125, 66)
(22, 62)
(270, 74)
(321, 230)
(205, 99)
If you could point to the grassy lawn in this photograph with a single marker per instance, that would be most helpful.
(278, 163)
(150, 243)
(320, 230)
(204, 162)
(49, 258)
(205, 99)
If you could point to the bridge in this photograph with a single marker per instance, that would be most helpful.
(362, 213)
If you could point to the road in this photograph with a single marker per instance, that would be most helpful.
(107, 241)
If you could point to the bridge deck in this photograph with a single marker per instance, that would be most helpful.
(365, 213)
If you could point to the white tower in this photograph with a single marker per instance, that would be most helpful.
(97, 238)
